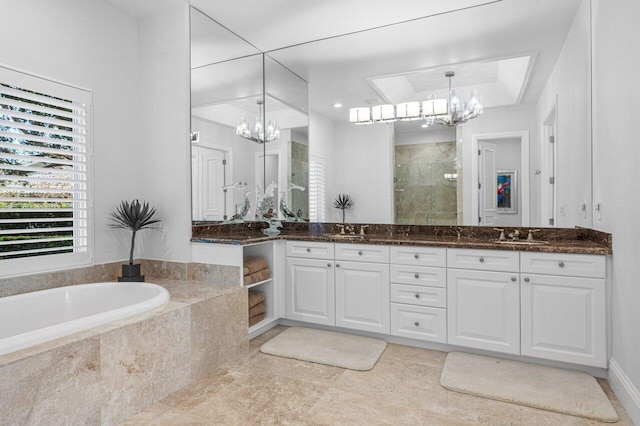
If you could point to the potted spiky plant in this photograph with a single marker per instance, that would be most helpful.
(135, 217)
(343, 202)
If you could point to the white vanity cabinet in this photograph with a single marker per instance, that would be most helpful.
(418, 293)
(563, 307)
(310, 283)
(362, 287)
(483, 307)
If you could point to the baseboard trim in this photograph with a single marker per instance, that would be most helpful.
(625, 390)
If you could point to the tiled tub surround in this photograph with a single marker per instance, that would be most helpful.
(108, 373)
(560, 240)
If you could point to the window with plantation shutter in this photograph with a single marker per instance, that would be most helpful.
(316, 189)
(44, 174)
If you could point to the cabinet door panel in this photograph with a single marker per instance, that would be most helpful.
(362, 296)
(483, 310)
(484, 260)
(362, 253)
(563, 319)
(310, 291)
(419, 322)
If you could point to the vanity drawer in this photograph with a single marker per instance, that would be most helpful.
(573, 265)
(484, 260)
(308, 249)
(436, 297)
(419, 322)
(418, 275)
(362, 252)
(419, 256)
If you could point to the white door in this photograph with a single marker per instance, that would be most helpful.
(483, 310)
(563, 318)
(310, 291)
(487, 187)
(208, 179)
(362, 296)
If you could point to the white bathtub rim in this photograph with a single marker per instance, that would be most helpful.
(47, 334)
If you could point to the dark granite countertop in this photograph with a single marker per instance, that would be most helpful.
(556, 240)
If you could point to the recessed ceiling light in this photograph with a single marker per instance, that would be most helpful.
(337, 105)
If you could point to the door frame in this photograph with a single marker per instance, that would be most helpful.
(196, 187)
(523, 135)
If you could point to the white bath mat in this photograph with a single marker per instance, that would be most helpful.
(551, 389)
(326, 347)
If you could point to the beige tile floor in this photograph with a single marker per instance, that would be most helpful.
(402, 389)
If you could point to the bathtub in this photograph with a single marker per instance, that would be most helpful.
(32, 318)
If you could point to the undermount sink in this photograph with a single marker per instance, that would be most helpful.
(348, 237)
(521, 242)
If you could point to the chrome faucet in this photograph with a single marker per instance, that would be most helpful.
(515, 235)
(530, 236)
(350, 229)
(362, 228)
(502, 237)
(341, 228)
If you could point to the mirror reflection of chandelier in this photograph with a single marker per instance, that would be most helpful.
(448, 112)
(259, 135)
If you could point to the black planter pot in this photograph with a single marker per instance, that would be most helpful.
(131, 273)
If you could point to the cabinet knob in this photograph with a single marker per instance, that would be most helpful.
(308, 250)
(561, 264)
(417, 324)
(328, 265)
(360, 253)
(417, 256)
(417, 276)
(337, 265)
(417, 296)
(481, 260)
(526, 280)
(513, 279)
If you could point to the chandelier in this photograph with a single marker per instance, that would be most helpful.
(448, 112)
(259, 134)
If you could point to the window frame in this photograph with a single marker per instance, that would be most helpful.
(57, 261)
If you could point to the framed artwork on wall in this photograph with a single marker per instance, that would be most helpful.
(507, 191)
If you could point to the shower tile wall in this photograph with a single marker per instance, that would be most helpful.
(423, 195)
(299, 174)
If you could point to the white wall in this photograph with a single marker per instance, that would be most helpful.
(428, 136)
(616, 154)
(494, 120)
(163, 120)
(363, 168)
(87, 43)
(570, 81)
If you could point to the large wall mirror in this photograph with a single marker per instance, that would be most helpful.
(249, 119)
(526, 161)
(530, 64)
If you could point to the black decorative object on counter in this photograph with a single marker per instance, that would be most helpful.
(343, 202)
(134, 216)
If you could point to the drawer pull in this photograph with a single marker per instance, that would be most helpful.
(308, 250)
(417, 276)
(417, 296)
(328, 265)
(337, 265)
(526, 280)
(513, 279)
(561, 264)
(417, 256)
(481, 260)
(360, 253)
(417, 324)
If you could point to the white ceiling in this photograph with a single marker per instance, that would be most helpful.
(341, 69)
